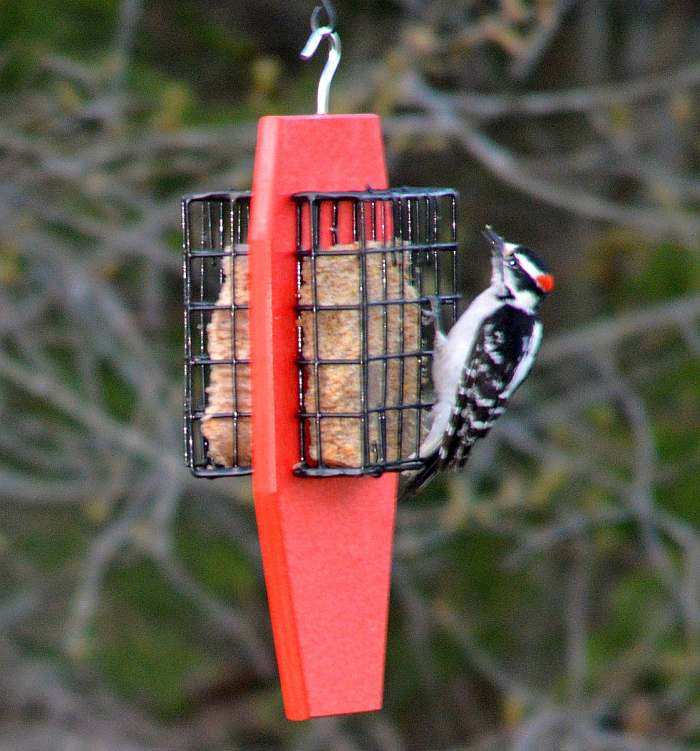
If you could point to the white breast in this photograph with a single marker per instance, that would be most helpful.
(449, 360)
(460, 342)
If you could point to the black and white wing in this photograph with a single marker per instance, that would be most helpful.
(503, 354)
(501, 358)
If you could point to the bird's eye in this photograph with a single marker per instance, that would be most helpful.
(512, 262)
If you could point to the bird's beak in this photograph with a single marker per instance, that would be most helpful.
(497, 242)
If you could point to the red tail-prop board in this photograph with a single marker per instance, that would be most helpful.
(326, 542)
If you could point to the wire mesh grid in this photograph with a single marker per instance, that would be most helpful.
(368, 265)
(217, 384)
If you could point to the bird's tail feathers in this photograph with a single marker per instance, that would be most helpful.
(421, 478)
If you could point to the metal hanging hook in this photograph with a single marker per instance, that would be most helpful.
(318, 33)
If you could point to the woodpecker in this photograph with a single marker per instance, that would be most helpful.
(483, 359)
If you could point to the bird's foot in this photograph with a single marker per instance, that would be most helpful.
(432, 316)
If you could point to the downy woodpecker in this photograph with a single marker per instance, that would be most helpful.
(486, 355)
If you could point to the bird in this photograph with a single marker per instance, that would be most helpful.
(485, 357)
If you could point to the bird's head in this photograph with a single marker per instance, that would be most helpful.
(525, 276)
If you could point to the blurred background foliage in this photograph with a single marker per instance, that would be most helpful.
(547, 598)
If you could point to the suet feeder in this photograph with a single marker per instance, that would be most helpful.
(307, 364)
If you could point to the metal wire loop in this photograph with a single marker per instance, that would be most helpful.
(318, 33)
(330, 15)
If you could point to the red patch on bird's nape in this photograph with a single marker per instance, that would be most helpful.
(545, 282)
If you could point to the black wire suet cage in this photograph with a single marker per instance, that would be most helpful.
(217, 360)
(368, 264)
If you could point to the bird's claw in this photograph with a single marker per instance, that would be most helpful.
(432, 315)
(434, 312)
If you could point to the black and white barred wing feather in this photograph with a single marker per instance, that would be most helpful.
(502, 356)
